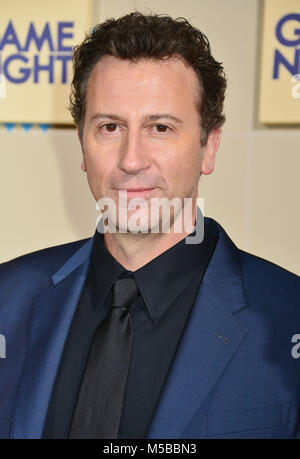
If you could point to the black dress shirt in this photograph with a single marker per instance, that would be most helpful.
(168, 286)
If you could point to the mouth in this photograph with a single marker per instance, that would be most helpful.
(138, 192)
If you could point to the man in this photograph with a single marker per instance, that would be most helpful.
(140, 334)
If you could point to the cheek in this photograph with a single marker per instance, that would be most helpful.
(97, 165)
(96, 178)
(186, 166)
(193, 162)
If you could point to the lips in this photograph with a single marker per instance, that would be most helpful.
(138, 192)
(139, 189)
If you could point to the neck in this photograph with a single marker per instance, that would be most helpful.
(133, 251)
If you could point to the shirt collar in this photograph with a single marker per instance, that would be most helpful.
(161, 280)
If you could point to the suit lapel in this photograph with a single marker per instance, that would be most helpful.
(51, 318)
(212, 336)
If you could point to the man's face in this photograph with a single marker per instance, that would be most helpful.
(142, 130)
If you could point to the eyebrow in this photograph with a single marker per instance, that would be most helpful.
(153, 117)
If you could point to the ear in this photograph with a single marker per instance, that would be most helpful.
(209, 151)
(83, 165)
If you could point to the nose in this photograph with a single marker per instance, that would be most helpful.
(134, 155)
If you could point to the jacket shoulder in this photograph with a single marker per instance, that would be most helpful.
(257, 266)
(254, 267)
(40, 262)
(266, 282)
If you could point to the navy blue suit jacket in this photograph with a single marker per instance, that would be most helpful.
(234, 374)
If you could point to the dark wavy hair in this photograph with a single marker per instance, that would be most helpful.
(153, 36)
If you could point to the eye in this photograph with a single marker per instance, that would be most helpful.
(110, 127)
(161, 127)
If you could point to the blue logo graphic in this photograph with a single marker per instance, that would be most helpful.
(293, 67)
(19, 66)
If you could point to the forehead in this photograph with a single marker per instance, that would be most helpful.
(153, 81)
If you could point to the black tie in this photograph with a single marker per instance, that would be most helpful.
(100, 399)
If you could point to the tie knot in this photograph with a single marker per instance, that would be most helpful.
(124, 292)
